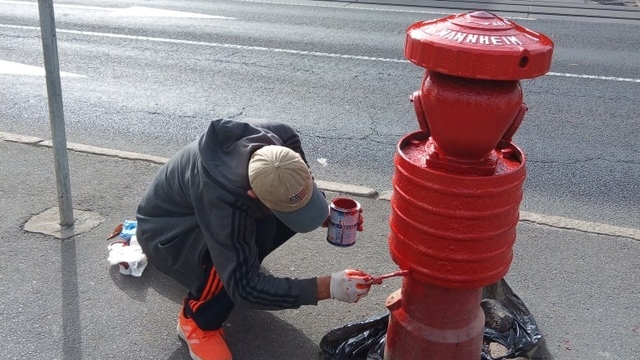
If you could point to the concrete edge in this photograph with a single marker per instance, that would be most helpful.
(94, 150)
(21, 139)
(355, 190)
(579, 225)
(347, 189)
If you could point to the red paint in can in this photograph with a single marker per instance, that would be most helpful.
(343, 225)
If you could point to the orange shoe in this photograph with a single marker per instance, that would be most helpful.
(203, 344)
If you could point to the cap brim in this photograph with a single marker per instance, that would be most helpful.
(308, 217)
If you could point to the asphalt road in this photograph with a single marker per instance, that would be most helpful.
(151, 81)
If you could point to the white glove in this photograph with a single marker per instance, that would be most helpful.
(349, 285)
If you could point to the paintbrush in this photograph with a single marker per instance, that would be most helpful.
(377, 280)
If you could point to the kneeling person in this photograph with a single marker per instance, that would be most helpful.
(216, 209)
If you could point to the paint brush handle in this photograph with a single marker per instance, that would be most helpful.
(377, 280)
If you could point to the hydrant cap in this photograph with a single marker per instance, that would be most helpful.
(478, 45)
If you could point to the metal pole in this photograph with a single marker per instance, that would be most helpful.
(56, 114)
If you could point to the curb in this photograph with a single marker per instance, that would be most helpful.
(355, 190)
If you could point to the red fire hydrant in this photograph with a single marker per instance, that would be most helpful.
(458, 181)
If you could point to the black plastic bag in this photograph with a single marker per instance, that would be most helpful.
(366, 340)
(524, 336)
(357, 341)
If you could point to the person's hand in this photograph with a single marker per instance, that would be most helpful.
(326, 221)
(349, 285)
(360, 221)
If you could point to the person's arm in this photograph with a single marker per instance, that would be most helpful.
(324, 287)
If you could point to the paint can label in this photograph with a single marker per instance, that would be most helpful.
(343, 221)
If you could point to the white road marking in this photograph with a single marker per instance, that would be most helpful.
(140, 11)
(595, 77)
(14, 68)
(286, 51)
(35, 3)
(134, 11)
(202, 43)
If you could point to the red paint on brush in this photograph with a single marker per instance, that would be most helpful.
(377, 280)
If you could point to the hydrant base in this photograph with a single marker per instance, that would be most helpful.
(420, 332)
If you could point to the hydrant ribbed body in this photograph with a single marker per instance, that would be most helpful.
(458, 181)
(453, 230)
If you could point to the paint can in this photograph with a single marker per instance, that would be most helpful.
(343, 221)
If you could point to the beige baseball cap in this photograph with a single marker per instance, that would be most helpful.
(283, 182)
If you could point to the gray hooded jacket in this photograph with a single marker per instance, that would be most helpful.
(197, 206)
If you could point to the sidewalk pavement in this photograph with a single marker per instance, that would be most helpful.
(62, 300)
